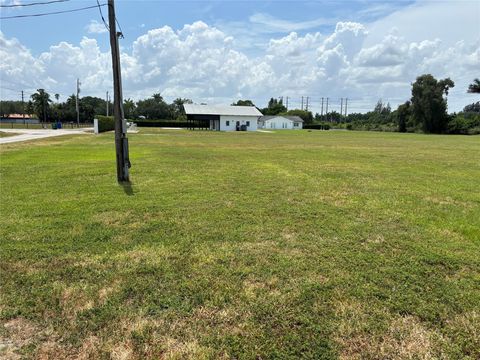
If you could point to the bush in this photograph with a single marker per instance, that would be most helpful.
(105, 123)
(371, 126)
(317, 126)
(464, 124)
(163, 123)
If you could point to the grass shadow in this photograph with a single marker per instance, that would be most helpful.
(127, 187)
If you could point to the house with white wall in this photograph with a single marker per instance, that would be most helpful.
(279, 122)
(224, 118)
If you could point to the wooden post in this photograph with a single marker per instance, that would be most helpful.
(121, 141)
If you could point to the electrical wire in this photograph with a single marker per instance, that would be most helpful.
(101, 15)
(105, 23)
(121, 31)
(32, 4)
(50, 13)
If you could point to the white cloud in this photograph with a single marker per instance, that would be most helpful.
(95, 27)
(204, 63)
(348, 34)
(18, 65)
(449, 21)
(273, 24)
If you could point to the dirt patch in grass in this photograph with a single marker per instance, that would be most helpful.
(105, 292)
(122, 351)
(257, 288)
(75, 300)
(54, 350)
(15, 334)
(404, 338)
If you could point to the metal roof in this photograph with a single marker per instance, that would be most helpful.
(194, 109)
(289, 117)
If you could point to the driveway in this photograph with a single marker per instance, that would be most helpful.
(32, 134)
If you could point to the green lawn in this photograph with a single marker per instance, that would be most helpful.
(321, 245)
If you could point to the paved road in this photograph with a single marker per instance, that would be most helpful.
(32, 134)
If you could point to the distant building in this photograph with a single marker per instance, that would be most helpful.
(279, 122)
(223, 118)
(20, 118)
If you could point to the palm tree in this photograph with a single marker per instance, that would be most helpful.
(41, 103)
(474, 87)
(128, 108)
(57, 96)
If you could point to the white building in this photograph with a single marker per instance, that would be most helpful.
(280, 122)
(223, 118)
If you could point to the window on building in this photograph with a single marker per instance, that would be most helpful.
(248, 123)
(295, 124)
(228, 123)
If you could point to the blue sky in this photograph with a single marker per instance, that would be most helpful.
(218, 51)
(136, 16)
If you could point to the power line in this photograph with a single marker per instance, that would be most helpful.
(50, 13)
(101, 15)
(121, 31)
(32, 4)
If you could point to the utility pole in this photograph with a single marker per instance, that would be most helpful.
(341, 107)
(121, 141)
(107, 103)
(76, 103)
(287, 103)
(346, 99)
(326, 110)
(306, 107)
(322, 108)
(302, 102)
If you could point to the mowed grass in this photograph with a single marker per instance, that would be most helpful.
(283, 245)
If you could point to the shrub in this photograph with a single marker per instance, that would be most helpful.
(317, 126)
(163, 123)
(464, 123)
(105, 123)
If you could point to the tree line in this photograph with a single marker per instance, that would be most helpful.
(426, 111)
(48, 110)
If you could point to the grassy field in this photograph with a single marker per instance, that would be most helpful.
(287, 245)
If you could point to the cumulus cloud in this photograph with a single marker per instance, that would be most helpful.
(18, 65)
(95, 27)
(203, 63)
(348, 34)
